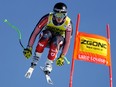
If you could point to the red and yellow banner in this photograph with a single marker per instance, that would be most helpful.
(92, 48)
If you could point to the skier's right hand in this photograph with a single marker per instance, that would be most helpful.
(27, 52)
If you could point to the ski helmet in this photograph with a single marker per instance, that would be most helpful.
(60, 8)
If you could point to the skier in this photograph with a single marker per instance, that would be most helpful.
(55, 31)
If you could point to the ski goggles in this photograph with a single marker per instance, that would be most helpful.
(60, 15)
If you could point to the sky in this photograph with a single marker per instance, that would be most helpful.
(25, 14)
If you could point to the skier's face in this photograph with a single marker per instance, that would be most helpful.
(59, 17)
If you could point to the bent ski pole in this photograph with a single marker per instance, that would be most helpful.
(17, 30)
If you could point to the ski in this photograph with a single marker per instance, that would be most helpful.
(48, 78)
(29, 73)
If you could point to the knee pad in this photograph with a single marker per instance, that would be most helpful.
(46, 35)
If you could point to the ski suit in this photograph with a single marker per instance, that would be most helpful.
(52, 35)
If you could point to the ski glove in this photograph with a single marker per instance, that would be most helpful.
(60, 61)
(27, 52)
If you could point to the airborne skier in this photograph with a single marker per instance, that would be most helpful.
(55, 30)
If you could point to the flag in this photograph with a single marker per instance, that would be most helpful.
(92, 48)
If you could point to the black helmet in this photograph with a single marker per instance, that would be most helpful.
(60, 8)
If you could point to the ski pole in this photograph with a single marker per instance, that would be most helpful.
(68, 62)
(17, 30)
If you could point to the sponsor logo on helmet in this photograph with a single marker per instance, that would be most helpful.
(60, 10)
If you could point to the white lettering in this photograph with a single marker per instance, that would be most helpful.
(53, 50)
(41, 45)
(91, 59)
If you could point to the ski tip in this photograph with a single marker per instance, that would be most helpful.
(48, 78)
(41, 67)
(27, 75)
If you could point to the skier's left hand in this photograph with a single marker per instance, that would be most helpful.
(60, 61)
